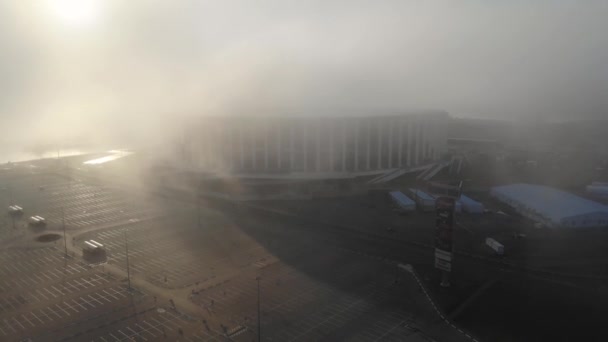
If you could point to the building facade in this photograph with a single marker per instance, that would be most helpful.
(250, 145)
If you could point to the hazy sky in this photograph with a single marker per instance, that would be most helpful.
(71, 68)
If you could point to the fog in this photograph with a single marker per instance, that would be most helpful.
(93, 71)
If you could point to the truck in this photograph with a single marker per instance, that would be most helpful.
(496, 246)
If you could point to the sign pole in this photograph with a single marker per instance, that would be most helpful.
(445, 207)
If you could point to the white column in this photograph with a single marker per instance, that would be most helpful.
(379, 145)
(211, 142)
(356, 124)
(408, 149)
(418, 136)
(253, 135)
(266, 142)
(400, 142)
(318, 144)
(231, 133)
(331, 146)
(344, 134)
(369, 137)
(292, 150)
(241, 149)
(423, 132)
(305, 142)
(390, 144)
(279, 136)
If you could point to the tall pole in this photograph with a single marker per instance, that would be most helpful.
(65, 241)
(199, 210)
(259, 325)
(198, 202)
(127, 254)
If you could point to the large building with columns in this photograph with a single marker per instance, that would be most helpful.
(313, 145)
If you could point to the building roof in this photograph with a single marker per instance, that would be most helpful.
(467, 200)
(402, 198)
(422, 194)
(597, 189)
(549, 202)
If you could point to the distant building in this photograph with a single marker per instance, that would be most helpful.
(465, 146)
(312, 146)
(552, 207)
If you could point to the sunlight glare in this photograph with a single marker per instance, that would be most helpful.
(76, 12)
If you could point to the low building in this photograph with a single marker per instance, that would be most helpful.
(552, 207)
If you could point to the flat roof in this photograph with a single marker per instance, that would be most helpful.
(551, 203)
(422, 194)
(467, 200)
(401, 197)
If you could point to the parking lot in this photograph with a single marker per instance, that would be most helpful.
(174, 252)
(192, 271)
(41, 290)
(57, 197)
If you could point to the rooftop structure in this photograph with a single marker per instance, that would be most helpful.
(551, 206)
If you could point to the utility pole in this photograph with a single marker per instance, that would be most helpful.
(259, 325)
(65, 241)
(127, 254)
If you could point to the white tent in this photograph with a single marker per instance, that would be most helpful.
(597, 190)
(424, 201)
(552, 207)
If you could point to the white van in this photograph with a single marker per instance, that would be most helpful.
(15, 210)
(37, 221)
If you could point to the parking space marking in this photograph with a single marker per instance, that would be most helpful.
(19, 323)
(6, 323)
(62, 309)
(49, 292)
(80, 304)
(151, 326)
(28, 320)
(35, 316)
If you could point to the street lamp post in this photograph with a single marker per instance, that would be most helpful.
(127, 254)
(199, 210)
(198, 202)
(65, 241)
(259, 325)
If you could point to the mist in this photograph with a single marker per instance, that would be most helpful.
(126, 71)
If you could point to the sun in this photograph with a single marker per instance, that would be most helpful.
(76, 12)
